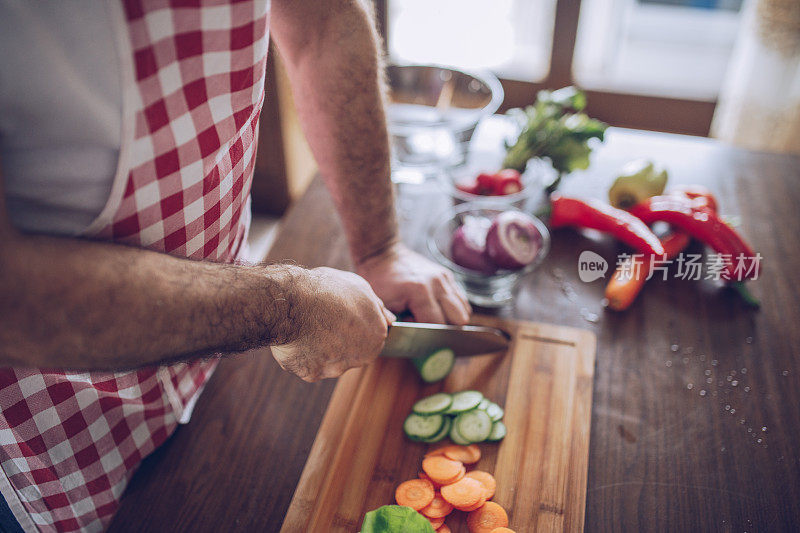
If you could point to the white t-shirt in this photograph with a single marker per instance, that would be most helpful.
(60, 112)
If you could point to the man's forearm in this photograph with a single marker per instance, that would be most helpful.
(331, 53)
(81, 304)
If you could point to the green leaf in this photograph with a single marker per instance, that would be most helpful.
(395, 519)
(551, 129)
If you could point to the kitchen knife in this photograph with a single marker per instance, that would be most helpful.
(414, 339)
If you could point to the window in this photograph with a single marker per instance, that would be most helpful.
(649, 64)
(510, 37)
(676, 48)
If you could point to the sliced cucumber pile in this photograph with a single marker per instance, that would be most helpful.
(466, 417)
(435, 366)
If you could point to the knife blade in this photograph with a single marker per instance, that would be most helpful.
(414, 339)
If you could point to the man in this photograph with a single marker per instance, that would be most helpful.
(127, 144)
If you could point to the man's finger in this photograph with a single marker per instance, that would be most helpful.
(388, 315)
(456, 288)
(453, 309)
(426, 309)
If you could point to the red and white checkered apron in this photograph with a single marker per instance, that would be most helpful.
(194, 71)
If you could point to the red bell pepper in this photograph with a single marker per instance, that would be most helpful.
(603, 217)
(695, 217)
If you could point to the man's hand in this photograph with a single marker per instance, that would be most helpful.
(406, 280)
(339, 323)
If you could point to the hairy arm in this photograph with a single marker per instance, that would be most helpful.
(82, 304)
(330, 50)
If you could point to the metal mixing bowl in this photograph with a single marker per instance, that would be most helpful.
(433, 111)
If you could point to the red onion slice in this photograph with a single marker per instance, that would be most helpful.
(468, 247)
(513, 241)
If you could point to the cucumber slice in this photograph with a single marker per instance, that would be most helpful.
(442, 433)
(456, 437)
(498, 432)
(436, 366)
(494, 411)
(474, 426)
(465, 401)
(485, 403)
(434, 404)
(418, 427)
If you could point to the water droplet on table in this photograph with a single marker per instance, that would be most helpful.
(729, 378)
(764, 428)
(758, 441)
(749, 340)
(785, 373)
(743, 371)
(734, 383)
(747, 389)
(707, 372)
(733, 411)
(702, 392)
(685, 360)
(714, 362)
(749, 430)
(727, 407)
(702, 357)
(709, 380)
(589, 316)
(667, 364)
(674, 348)
(722, 449)
(689, 386)
(742, 421)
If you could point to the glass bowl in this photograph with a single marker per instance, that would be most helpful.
(486, 290)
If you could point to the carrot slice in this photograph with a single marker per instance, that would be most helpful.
(485, 479)
(465, 492)
(441, 469)
(457, 477)
(436, 522)
(466, 454)
(443, 529)
(474, 507)
(438, 508)
(414, 493)
(426, 477)
(438, 451)
(490, 516)
(502, 530)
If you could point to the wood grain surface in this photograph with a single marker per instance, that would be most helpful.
(661, 456)
(544, 382)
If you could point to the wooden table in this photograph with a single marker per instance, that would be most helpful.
(669, 451)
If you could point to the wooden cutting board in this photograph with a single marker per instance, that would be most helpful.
(544, 383)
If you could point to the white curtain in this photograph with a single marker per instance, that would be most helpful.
(759, 105)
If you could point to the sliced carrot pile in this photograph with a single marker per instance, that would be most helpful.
(414, 493)
(466, 454)
(436, 522)
(485, 479)
(444, 485)
(423, 475)
(441, 469)
(438, 508)
(464, 493)
(488, 517)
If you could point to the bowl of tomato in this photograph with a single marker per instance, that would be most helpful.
(483, 178)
